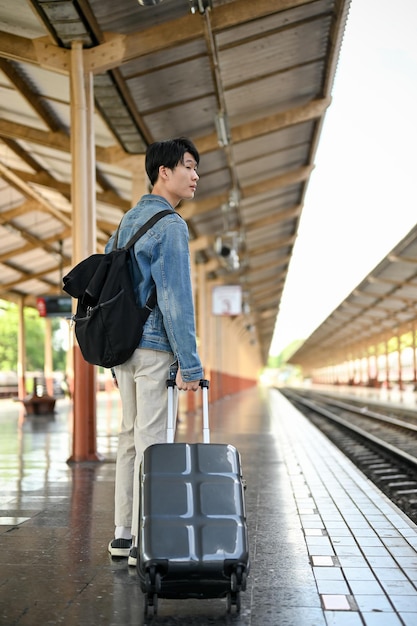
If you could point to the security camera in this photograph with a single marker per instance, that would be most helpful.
(228, 253)
(221, 248)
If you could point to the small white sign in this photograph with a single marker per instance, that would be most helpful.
(227, 300)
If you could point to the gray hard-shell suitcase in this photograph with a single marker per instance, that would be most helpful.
(193, 540)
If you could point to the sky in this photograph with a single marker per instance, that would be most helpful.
(361, 199)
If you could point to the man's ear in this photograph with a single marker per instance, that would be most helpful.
(163, 172)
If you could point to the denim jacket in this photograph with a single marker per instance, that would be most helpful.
(163, 259)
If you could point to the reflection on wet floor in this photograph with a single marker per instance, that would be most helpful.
(326, 548)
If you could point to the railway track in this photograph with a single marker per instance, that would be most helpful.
(380, 441)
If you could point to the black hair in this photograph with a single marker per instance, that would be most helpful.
(168, 153)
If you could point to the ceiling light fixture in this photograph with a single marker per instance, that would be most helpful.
(234, 198)
(222, 128)
(149, 3)
(200, 6)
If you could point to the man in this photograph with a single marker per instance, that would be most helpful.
(161, 259)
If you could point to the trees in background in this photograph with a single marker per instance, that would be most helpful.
(34, 337)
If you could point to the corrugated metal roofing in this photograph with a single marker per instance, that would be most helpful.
(163, 71)
(382, 306)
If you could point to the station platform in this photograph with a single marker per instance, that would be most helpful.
(404, 398)
(327, 548)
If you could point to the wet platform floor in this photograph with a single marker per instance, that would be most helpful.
(327, 549)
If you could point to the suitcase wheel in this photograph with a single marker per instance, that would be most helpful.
(233, 599)
(152, 580)
(153, 586)
(238, 580)
(237, 584)
(151, 600)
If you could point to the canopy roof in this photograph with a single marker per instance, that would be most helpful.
(382, 306)
(262, 70)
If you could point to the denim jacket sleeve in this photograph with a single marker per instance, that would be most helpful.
(170, 269)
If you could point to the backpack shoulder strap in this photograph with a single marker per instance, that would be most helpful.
(142, 230)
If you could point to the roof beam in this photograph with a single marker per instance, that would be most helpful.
(275, 218)
(267, 125)
(33, 243)
(211, 203)
(272, 265)
(115, 154)
(58, 140)
(35, 52)
(119, 49)
(28, 276)
(27, 191)
(31, 97)
(45, 180)
(266, 288)
(299, 175)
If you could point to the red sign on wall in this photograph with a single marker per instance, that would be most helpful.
(54, 306)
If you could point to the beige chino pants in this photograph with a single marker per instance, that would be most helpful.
(142, 385)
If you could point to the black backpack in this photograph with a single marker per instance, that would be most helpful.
(108, 321)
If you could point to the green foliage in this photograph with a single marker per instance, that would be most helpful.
(278, 371)
(8, 332)
(59, 358)
(281, 359)
(34, 337)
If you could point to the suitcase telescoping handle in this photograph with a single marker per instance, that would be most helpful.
(204, 384)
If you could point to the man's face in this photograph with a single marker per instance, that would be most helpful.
(183, 178)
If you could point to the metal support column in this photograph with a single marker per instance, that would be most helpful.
(49, 378)
(400, 366)
(387, 366)
(21, 351)
(413, 331)
(201, 313)
(84, 242)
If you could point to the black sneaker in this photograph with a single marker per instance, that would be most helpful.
(120, 547)
(133, 556)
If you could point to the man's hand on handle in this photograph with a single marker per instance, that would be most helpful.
(192, 385)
